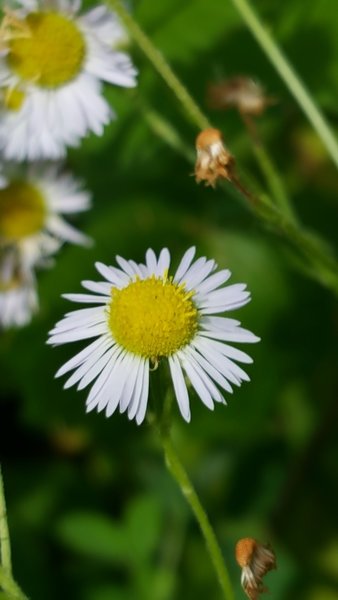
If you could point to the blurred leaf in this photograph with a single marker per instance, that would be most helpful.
(106, 592)
(322, 593)
(94, 535)
(181, 30)
(143, 522)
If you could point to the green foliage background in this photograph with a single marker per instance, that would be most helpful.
(92, 512)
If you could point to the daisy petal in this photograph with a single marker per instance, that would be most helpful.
(180, 387)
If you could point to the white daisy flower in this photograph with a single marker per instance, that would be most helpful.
(144, 315)
(31, 209)
(18, 294)
(51, 76)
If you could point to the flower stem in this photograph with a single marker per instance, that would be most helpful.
(180, 475)
(10, 587)
(322, 265)
(7, 583)
(273, 180)
(289, 76)
(161, 65)
(5, 547)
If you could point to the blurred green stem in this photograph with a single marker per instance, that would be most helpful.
(7, 582)
(273, 180)
(5, 546)
(161, 65)
(180, 475)
(9, 586)
(323, 265)
(165, 131)
(289, 76)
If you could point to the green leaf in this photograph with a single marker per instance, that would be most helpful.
(143, 521)
(93, 534)
(106, 592)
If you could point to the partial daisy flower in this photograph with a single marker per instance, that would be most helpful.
(144, 315)
(255, 560)
(213, 160)
(31, 212)
(10, 28)
(18, 294)
(51, 75)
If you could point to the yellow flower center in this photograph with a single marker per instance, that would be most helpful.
(13, 99)
(152, 317)
(53, 53)
(22, 210)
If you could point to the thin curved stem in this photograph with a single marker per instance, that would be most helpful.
(323, 265)
(179, 473)
(289, 76)
(10, 587)
(7, 583)
(161, 65)
(5, 547)
(273, 180)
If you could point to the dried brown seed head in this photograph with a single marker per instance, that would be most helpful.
(244, 551)
(213, 160)
(242, 93)
(256, 560)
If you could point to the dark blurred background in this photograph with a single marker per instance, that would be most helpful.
(93, 514)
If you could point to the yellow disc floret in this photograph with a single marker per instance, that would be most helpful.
(153, 317)
(12, 98)
(22, 210)
(52, 54)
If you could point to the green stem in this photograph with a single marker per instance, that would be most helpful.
(7, 582)
(5, 547)
(165, 131)
(289, 75)
(9, 586)
(324, 269)
(273, 180)
(161, 65)
(179, 473)
(322, 266)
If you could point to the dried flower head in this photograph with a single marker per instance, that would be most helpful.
(242, 93)
(213, 159)
(256, 560)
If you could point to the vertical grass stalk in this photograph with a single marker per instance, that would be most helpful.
(5, 547)
(289, 76)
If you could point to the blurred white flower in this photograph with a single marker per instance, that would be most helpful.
(18, 294)
(51, 76)
(31, 209)
(144, 315)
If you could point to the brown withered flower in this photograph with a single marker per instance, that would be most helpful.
(213, 160)
(255, 560)
(242, 93)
